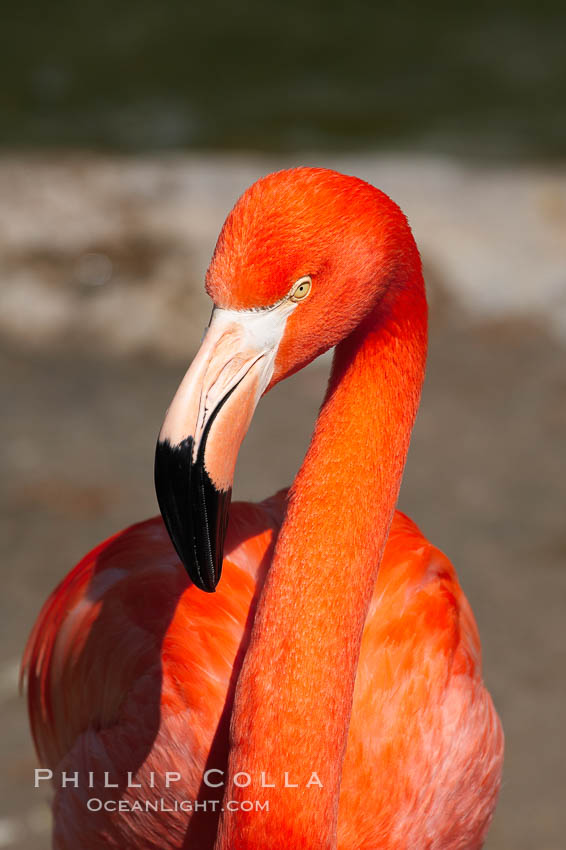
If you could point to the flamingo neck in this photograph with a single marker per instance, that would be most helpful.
(294, 695)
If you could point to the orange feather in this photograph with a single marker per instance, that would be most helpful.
(117, 666)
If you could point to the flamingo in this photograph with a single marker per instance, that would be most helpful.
(331, 668)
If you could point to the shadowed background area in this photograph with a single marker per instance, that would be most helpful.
(128, 131)
(485, 78)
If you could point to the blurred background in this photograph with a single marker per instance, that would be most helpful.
(127, 131)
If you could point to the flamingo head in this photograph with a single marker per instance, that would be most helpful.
(304, 256)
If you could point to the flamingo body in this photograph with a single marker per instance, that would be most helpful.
(423, 747)
(335, 672)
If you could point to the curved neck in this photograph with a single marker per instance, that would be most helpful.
(294, 695)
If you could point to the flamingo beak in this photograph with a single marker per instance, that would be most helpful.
(202, 432)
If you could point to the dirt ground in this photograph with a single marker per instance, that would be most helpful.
(485, 481)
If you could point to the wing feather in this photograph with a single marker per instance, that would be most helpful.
(128, 612)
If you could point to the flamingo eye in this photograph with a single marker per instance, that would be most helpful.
(301, 289)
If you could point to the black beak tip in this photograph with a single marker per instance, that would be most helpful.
(199, 581)
(195, 513)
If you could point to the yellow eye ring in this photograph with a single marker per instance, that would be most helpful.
(301, 289)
